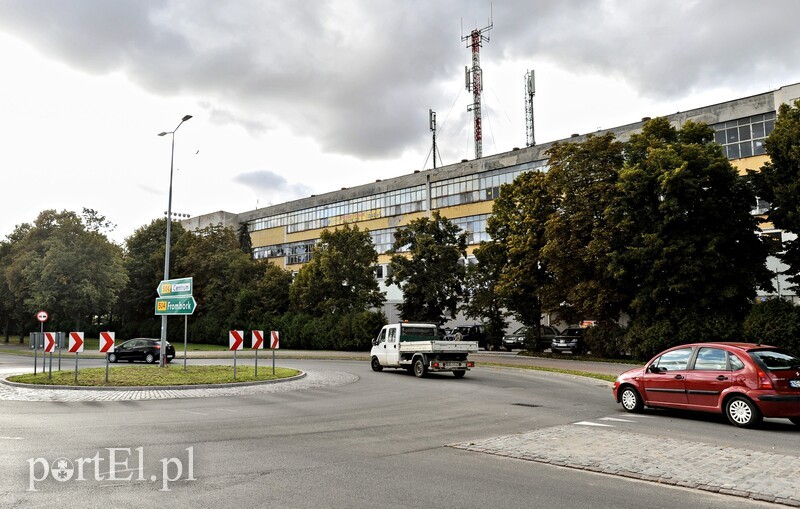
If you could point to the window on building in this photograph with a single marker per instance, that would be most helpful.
(744, 137)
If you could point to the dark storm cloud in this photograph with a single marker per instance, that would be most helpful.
(358, 76)
(269, 183)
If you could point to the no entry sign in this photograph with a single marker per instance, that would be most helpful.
(42, 316)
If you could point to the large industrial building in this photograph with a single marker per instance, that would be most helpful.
(464, 192)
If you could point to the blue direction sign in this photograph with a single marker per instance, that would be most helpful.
(175, 287)
(175, 305)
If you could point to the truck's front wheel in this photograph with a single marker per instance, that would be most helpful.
(376, 366)
(420, 369)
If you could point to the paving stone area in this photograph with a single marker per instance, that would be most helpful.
(314, 379)
(741, 472)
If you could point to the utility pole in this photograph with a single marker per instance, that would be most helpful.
(474, 80)
(530, 91)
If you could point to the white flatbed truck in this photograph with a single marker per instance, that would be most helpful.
(418, 348)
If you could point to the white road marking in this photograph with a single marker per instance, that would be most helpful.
(10, 438)
(614, 419)
(227, 410)
(190, 412)
(588, 423)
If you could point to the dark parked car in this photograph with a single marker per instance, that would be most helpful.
(570, 340)
(743, 381)
(141, 349)
(517, 338)
(470, 333)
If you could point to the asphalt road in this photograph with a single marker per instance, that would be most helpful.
(378, 442)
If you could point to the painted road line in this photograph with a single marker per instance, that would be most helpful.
(597, 424)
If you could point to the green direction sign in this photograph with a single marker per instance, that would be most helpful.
(175, 305)
(175, 287)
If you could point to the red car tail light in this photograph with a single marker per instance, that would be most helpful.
(158, 347)
(764, 381)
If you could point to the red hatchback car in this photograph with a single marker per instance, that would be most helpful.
(744, 381)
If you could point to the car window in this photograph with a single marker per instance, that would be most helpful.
(711, 359)
(572, 332)
(392, 335)
(520, 331)
(382, 336)
(736, 363)
(549, 331)
(774, 359)
(675, 360)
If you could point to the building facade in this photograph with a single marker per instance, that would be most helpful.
(464, 192)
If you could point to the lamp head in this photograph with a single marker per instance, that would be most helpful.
(163, 134)
(185, 118)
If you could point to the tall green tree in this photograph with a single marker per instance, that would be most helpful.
(580, 242)
(63, 267)
(692, 258)
(426, 265)
(778, 182)
(245, 242)
(339, 278)
(482, 300)
(144, 264)
(517, 227)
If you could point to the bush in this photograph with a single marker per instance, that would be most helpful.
(774, 322)
(647, 339)
(606, 340)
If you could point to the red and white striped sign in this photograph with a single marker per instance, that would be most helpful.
(75, 342)
(236, 339)
(49, 342)
(274, 344)
(258, 339)
(107, 342)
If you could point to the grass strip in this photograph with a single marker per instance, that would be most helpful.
(587, 374)
(137, 376)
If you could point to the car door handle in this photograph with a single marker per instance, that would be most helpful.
(678, 377)
(722, 377)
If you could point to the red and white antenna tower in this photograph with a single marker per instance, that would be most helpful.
(474, 80)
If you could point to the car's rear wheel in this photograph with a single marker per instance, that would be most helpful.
(741, 412)
(112, 357)
(420, 369)
(459, 373)
(376, 365)
(631, 400)
(150, 358)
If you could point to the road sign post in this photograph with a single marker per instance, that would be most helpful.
(258, 344)
(107, 346)
(60, 336)
(235, 342)
(76, 347)
(274, 344)
(174, 298)
(41, 317)
(49, 346)
(185, 329)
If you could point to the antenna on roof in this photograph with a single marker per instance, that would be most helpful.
(474, 78)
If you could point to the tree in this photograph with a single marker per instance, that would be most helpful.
(245, 242)
(430, 273)
(339, 278)
(144, 264)
(692, 260)
(778, 182)
(60, 265)
(482, 300)
(517, 228)
(580, 242)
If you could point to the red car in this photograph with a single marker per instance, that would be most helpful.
(744, 381)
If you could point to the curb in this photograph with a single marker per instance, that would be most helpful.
(231, 385)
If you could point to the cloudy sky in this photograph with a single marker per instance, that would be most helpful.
(299, 97)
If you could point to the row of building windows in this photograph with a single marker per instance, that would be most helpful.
(744, 137)
(447, 193)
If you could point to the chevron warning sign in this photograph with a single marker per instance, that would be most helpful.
(258, 340)
(274, 343)
(236, 339)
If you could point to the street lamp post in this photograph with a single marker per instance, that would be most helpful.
(163, 352)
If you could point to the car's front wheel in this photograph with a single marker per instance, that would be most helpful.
(741, 412)
(631, 400)
(112, 357)
(150, 358)
(376, 365)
